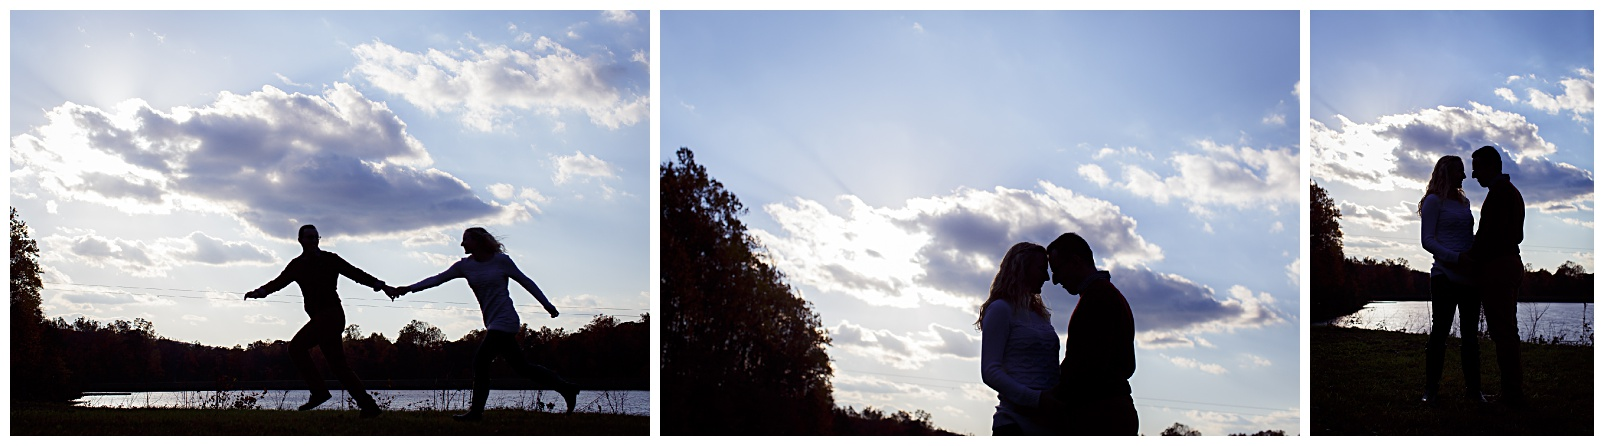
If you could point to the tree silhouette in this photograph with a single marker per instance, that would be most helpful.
(36, 372)
(1331, 291)
(1180, 430)
(740, 353)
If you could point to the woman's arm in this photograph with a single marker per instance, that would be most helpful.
(450, 273)
(529, 285)
(994, 332)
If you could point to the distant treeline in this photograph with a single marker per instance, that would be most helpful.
(123, 355)
(1340, 285)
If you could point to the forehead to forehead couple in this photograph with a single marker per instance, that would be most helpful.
(1088, 392)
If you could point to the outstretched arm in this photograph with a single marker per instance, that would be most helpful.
(358, 275)
(278, 283)
(529, 285)
(450, 273)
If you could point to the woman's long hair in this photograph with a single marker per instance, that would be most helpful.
(1441, 184)
(486, 239)
(1010, 286)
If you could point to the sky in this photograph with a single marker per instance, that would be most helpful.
(889, 159)
(1391, 92)
(164, 161)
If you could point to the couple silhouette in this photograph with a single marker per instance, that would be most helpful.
(1089, 392)
(486, 269)
(1474, 272)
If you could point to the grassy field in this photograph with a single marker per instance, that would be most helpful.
(38, 419)
(1367, 382)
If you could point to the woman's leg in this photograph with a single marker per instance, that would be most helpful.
(514, 355)
(1443, 300)
(488, 350)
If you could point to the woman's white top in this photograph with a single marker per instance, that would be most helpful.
(489, 282)
(1446, 230)
(1018, 359)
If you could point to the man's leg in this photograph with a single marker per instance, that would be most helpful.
(1498, 300)
(301, 354)
(329, 341)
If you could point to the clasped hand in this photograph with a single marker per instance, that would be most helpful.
(395, 292)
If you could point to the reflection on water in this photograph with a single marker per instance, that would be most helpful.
(1556, 322)
(625, 402)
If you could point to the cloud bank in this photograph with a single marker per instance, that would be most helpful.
(941, 250)
(1398, 152)
(273, 160)
(488, 85)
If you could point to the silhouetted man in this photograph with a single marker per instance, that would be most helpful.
(318, 271)
(1495, 257)
(1099, 349)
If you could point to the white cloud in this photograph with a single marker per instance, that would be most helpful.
(1507, 94)
(153, 259)
(1584, 223)
(193, 318)
(1399, 151)
(263, 319)
(1094, 174)
(502, 191)
(50, 206)
(1189, 363)
(1224, 423)
(918, 28)
(1277, 227)
(486, 86)
(256, 157)
(1168, 307)
(1380, 219)
(1295, 271)
(851, 387)
(1221, 175)
(1258, 361)
(1275, 119)
(639, 56)
(426, 238)
(1577, 97)
(620, 17)
(941, 250)
(1123, 151)
(580, 166)
(440, 260)
(904, 351)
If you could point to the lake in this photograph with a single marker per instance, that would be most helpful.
(625, 402)
(1563, 322)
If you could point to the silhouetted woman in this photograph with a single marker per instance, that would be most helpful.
(487, 269)
(1445, 231)
(1018, 347)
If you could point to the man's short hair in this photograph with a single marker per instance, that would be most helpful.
(304, 228)
(1488, 156)
(1070, 243)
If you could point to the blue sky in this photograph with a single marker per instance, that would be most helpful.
(890, 158)
(1393, 91)
(164, 160)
